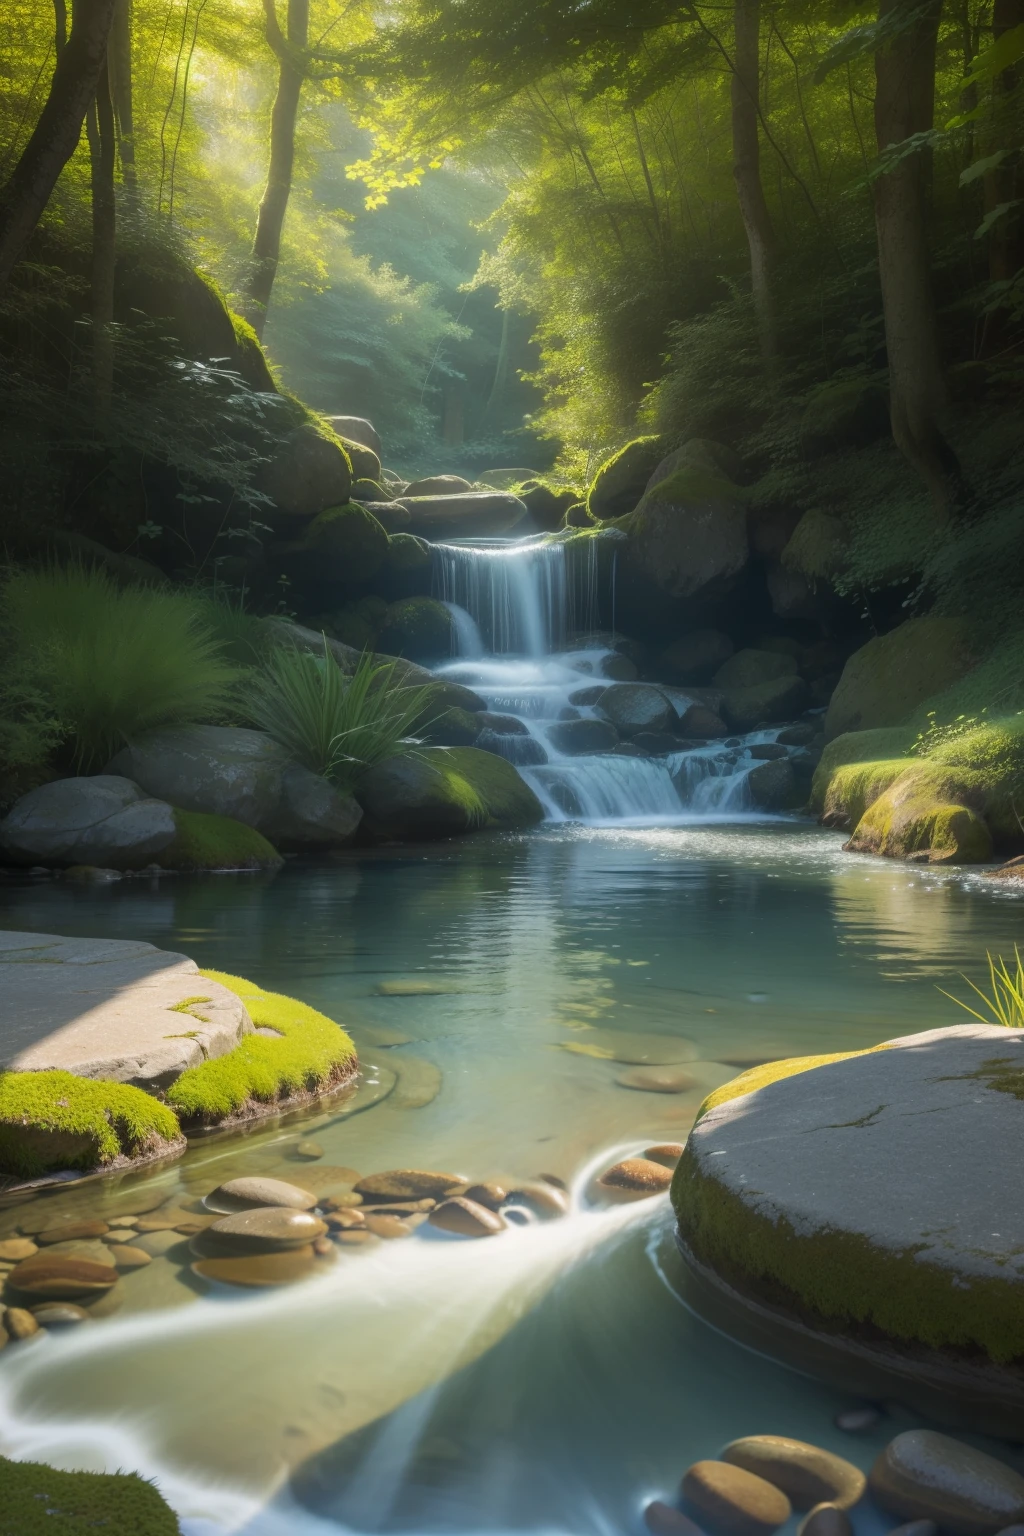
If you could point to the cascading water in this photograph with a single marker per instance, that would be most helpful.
(516, 608)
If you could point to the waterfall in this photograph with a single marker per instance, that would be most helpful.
(517, 608)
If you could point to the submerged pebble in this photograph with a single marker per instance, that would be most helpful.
(666, 1152)
(127, 1256)
(856, 1420)
(59, 1314)
(308, 1151)
(658, 1080)
(410, 1184)
(258, 1270)
(72, 1232)
(734, 1500)
(925, 1475)
(490, 1194)
(14, 1249)
(273, 1228)
(239, 1193)
(544, 1199)
(825, 1520)
(806, 1474)
(19, 1323)
(636, 1176)
(61, 1278)
(467, 1218)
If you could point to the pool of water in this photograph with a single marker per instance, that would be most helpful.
(549, 1379)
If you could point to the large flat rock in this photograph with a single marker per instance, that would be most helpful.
(876, 1194)
(110, 1009)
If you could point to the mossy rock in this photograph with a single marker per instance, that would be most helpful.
(617, 487)
(884, 743)
(251, 359)
(365, 463)
(37, 1500)
(901, 1233)
(418, 628)
(855, 786)
(344, 544)
(547, 505)
(439, 791)
(309, 472)
(408, 568)
(453, 728)
(817, 548)
(308, 1054)
(369, 490)
(205, 842)
(922, 815)
(56, 1120)
(886, 680)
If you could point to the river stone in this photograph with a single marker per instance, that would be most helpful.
(127, 1256)
(156, 1244)
(543, 1198)
(699, 723)
(658, 1080)
(902, 1164)
(636, 707)
(745, 709)
(59, 1314)
(694, 657)
(14, 1249)
(238, 1194)
(111, 1009)
(257, 1271)
(663, 1520)
(734, 1501)
(667, 1153)
(410, 1184)
(639, 1175)
(72, 1231)
(308, 1151)
(438, 485)
(574, 737)
(419, 1083)
(106, 820)
(310, 813)
(61, 1278)
(19, 1323)
(772, 785)
(632, 1049)
(388, 1227)
(806, 1474)
(925, 1475)
(345, 1221)
(489, 1193)
(220, 770)
(467, 1218)
(271, 1227)
(357, 430)
(468, 514)
(826, 1520)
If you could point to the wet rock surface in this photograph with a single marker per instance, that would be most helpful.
(734, 1501)
(807, 1475)
(926, 1475)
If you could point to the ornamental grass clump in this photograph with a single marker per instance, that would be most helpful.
(114, 662)
(1004, 1001)
(337, 726)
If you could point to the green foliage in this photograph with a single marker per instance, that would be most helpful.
(204, 842)
(116, 1120)
(310, 1055)
(335, 725)
(37, 1500)
(1004, 1000)
(113, 662)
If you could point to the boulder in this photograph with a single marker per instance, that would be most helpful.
(897, 1247)
(439, 485)
(355, 429)
(634, 707)
(365, 463)
(688, 535)
(857, 747)
(407, 567)
(505, 479)
(369, 493)
(311, 813)
(700, 723)
(310, 471)
(695, 657)
(818, 546)
(110, 1009)
(749, 668)
(772, 786)
(418, 628)
(547, 507)
(343, 545)
(392, 516)
(446, 695)
(926, 1476)
(206, 843)
(469, 513)
(886, 680)
(106, 820)
(218, 769)
(764, 703)
(621, 481)
(850, 414)
(917, 817)
(574, 737)
(454, 728)
(699, 453)
(440, 791)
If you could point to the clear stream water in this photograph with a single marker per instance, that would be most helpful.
(548, 1380)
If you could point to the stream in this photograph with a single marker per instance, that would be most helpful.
(500, 989)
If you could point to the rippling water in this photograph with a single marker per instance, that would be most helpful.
(548, 1380)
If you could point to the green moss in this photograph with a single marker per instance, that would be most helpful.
(349, 541)
(858, 747)
(692, 482)
(493, 784)
(889, 678)
(207, 842)
(418, 628)
(927, 813)
(619, 483)
(57, 1120)
(252, 361)
(37, 1500)
(993, 756)
(854, 787)
(310, 1054)
(774, 1072)
(369, 490)
(841, 1278)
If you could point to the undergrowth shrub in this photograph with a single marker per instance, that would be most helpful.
(108, 662)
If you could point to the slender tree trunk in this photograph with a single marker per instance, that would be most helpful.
(1002, 183)
(57, 131)
(746, 168)
(904, 105)
(500, 384)
(102, 153)
(119, 64)
(266, 246)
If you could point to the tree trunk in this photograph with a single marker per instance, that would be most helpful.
(904, 105)
(266, 246)
(497, 395)
(746, 168)
(119, 65)
(56, 134)
(100, 129)
(1002, 184)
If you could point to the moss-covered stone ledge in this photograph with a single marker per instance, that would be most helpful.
(37, 1500)
(872, 1196)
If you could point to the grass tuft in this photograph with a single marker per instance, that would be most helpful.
(111, 1118)
(310, 1054)
(37, 1500)
(1004, 1002)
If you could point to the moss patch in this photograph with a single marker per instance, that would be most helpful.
(619, 483)
(889, 678)
(309, 1055)
(252, 361)
(856, 786)
(350, 541)
(207, 842)
(926, 813)
(774, 1072)
(36, 1500)
(51, 1120)
(858, 747)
